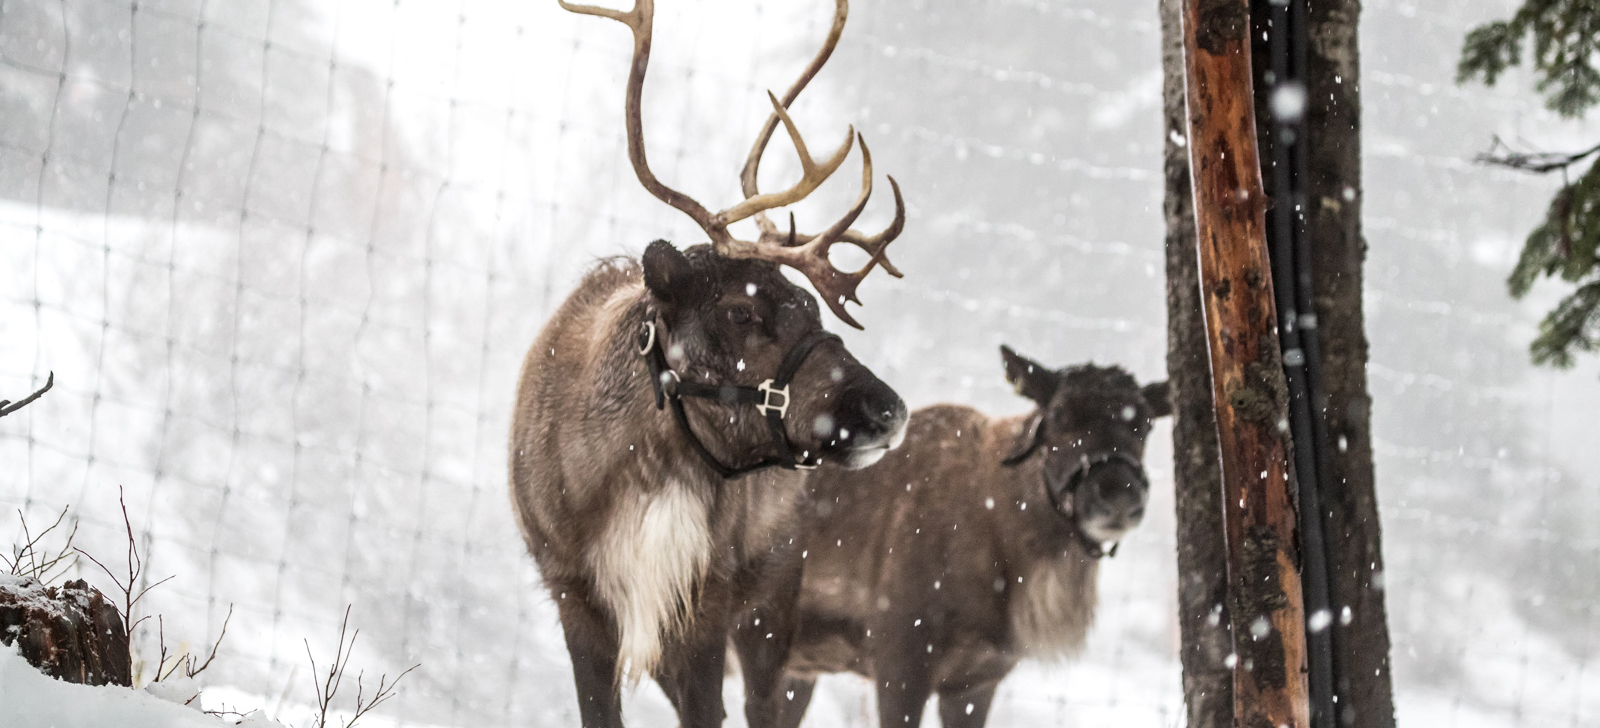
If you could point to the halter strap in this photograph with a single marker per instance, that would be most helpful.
(771, 398)
(1093, 548)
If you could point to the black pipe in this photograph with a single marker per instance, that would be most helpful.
(1285, 86)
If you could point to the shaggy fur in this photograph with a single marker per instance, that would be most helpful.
(1053, 608)
(647, 564)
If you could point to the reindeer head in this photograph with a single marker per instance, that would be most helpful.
(1091, 426)
(735, 322)
(727, 318)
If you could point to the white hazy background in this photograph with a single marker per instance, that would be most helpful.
(285, 257)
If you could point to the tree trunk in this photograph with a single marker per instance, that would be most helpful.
(1246, 369)
(1355, 557)
(69, 632)
(1203, 619)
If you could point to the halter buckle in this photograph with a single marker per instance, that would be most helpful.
(768, 392)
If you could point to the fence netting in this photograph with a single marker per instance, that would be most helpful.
(284, 258)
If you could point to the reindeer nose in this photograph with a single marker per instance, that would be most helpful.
(883, 411)
(1122, 488)
(870, 411)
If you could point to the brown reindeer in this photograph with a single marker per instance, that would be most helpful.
(974, 545)
(660, 417)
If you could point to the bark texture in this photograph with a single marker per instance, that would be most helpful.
(1355, 558)
(1203, 618)
(1247, 372)
(69, 632)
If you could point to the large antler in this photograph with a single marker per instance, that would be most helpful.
(873, 244)
(807, 254)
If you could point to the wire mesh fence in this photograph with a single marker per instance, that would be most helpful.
(285, 257)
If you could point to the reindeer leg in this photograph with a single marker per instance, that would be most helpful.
(966, 708)
(692, 665)
(903, 684)
(592, 643)
(764, 636)
(793, 709)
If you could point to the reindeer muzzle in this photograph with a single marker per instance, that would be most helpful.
(1075, 479)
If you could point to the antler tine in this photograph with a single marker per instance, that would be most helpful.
(752, 163)
(874, 245)
(831, 235)
(640, 20)
(629, 18)
(812, 174)
(811, 258)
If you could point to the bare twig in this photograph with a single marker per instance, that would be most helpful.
(131, 593)
(1501, 154)
(327, 687)
(28, 561)
(190, 669)
(7, 407)
(161, 641)
(191, 664)
(384, 692)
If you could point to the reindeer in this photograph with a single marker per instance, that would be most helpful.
(974, 545)
(661, 416)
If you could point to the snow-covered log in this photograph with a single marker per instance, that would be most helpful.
(70, 632)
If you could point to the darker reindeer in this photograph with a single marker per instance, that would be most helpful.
(974, 545)
(660, 417)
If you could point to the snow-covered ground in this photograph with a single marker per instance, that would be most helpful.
(29, 699)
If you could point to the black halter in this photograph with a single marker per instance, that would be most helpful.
(1086, 463)
(771, 398)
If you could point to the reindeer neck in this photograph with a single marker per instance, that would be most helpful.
(629, 401)
(1052, 535)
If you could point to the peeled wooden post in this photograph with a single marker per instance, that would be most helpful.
(1269, 684)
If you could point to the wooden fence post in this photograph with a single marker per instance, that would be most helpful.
(1246, 369)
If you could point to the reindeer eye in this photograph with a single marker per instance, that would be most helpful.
(741, 315)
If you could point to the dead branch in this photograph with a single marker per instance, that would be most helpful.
(191, 664)
(131, 593)
(7, 407)
(161, 642)
(384, 692)
(27, 560)
(328, 686)
(1501, 154)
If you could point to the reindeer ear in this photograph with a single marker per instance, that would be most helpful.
(670, 276)
(1159, 396)
(1030, 378)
